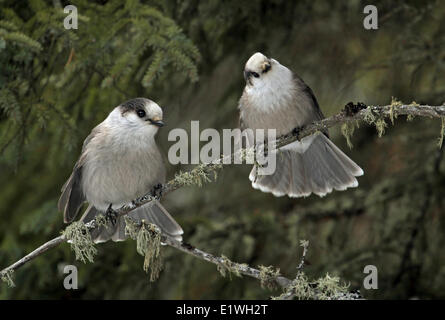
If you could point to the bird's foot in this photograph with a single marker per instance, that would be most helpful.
(111, 215)
(296, 132)
(351, 109)
(157, 191)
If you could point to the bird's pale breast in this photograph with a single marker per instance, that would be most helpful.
(282, 108)
(115, 175)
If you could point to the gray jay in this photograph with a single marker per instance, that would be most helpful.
(276, 98)
(120, 162)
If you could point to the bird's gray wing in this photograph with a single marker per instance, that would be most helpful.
(241, 123)
(311, 100)
(244, 109)
(72, 197)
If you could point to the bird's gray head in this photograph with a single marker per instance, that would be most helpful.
(136, 117)
(141, 112)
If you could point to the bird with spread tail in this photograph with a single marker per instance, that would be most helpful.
(276, 98)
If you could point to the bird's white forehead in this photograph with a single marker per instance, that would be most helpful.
(153, 109)
(255, 60)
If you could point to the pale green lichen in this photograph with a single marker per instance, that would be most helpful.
(329, 288)
(380, 125)
(7, 277)
(148, 245)
(100, 220)
(227, 266)
(394, 103)
(249, 155)
(326, 288)
(347, 129)
(304, 244)
(409, 118)
(299, 289)
(369, 116)
(198, 176)
(242, 155)
(131, 228)
(246, 155)
(391, 114)
(268, 276)
(79, 237)
(378, 121)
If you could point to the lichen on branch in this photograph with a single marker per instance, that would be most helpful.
(148, 244)
(78, 236)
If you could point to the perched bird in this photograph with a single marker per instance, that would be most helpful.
(120, 162)
(276, 98)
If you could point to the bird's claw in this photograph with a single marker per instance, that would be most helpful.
(296, 132)
(351, 109)
(157, 191)
(111, 215)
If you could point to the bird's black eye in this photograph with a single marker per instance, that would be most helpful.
(256, 75)
(141, 113)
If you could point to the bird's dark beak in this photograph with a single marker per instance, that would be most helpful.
(158, 123)
(247, 75)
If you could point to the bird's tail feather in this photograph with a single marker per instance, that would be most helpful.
(315, 165)
(152, 212)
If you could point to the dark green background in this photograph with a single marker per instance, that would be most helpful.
(189, 56)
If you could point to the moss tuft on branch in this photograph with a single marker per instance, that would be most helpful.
(226, 265)
(392, 114)
(198, 176)
(329, 288)
(380, 125)
(78, 236)
(268, 276)
(7, 277)
(148, 245)
(347, 129)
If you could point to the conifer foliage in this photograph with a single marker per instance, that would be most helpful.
(46, 69)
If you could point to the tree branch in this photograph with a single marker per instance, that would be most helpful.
(37, 252)
(370, 115)
(223, 262)
(200, 174)
(184, 247)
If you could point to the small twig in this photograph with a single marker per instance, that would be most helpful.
(244, 269)
(305, 245)
(70, 57)
(37, 252)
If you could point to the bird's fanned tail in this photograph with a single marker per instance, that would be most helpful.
(315, 165)
(152, 212)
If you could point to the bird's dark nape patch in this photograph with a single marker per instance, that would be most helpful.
(134, 104)
(267, 67)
